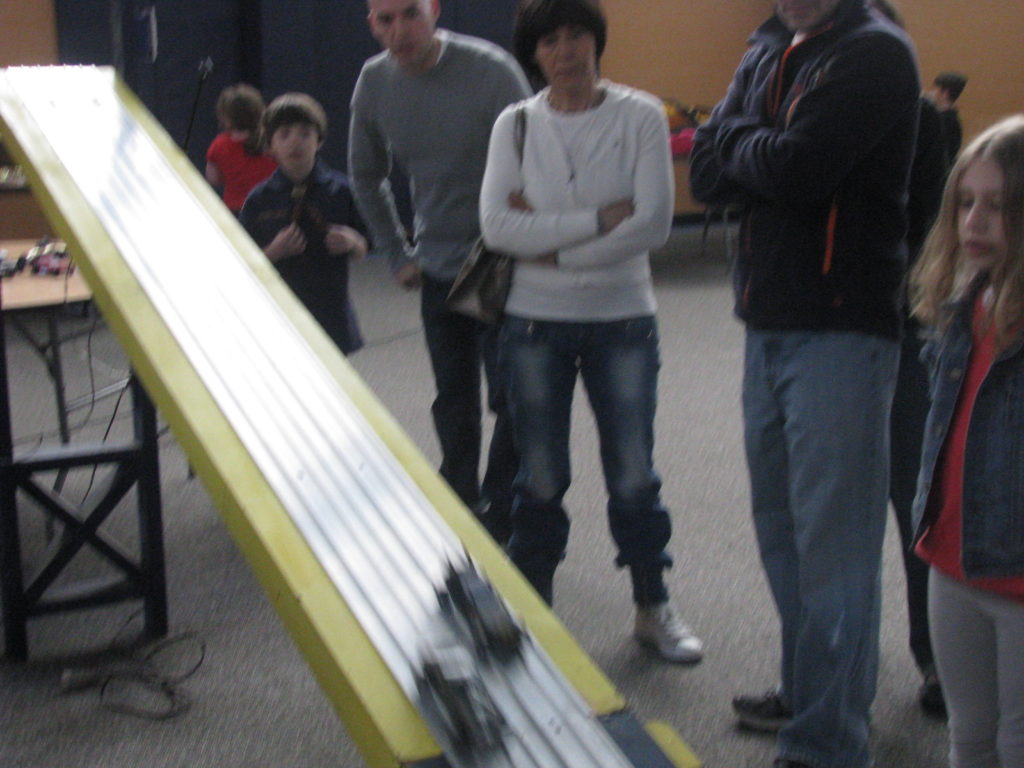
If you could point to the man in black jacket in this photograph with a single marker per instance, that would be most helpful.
(813, 142)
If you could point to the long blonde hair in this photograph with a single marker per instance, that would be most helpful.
(942, 275)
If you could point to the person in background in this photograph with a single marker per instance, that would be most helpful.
(235, 161)
(427, 103)
(591, 197)
(814, 142)
(304, 218)
(969, 290)
(910, 404)
(947, 89)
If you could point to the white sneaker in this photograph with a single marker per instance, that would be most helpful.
(659, 628)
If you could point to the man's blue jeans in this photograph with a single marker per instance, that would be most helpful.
(618, 362)
(458, 345)
(816, 417)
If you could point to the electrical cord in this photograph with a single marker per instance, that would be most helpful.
(36, 440)
(397, 336)
(143, 682)
(106, 434)
(92, 375)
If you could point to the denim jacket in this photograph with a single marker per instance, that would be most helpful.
(993, 488)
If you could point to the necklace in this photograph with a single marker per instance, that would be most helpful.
(573, 130)
(596, 98)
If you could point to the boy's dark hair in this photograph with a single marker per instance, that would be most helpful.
(239, 108)
(951, 82)
(537, 18)
(292, 109)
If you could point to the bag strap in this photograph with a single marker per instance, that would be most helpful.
(520, 131)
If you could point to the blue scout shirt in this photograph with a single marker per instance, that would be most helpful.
(317, 278)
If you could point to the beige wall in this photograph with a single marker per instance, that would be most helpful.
(983, 39)
(27, 37)
(681, 49)
(27, 32)
(687, 49)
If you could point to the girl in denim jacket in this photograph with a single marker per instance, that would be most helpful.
(969, 288)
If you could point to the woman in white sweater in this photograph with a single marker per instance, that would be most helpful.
(591, 195)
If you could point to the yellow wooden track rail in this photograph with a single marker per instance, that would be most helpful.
(120, 192)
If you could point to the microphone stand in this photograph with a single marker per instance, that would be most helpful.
(205, 68)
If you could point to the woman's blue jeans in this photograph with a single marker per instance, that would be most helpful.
(618, 362)
(816, 417)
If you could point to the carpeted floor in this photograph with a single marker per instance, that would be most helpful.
(252, 701)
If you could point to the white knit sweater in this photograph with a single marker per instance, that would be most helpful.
(573, 164)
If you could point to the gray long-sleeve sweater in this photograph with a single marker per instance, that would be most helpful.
(436, 127)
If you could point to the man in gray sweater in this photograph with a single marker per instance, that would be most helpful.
(427, 103)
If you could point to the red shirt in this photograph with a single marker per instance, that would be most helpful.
(239, 170)
(942, 544)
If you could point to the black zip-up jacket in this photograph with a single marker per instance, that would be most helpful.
(814, 142)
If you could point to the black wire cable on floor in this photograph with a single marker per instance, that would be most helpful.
(397, 336)
(143, 681)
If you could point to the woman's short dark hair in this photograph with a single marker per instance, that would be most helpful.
(537, 18)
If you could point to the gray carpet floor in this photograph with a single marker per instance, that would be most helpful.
(253, 702)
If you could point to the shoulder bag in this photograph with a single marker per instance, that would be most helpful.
(482, 285)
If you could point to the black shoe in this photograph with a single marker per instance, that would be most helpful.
(767, 712)
(782, 762)
(930, 697)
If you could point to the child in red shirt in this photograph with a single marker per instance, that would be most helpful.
(235, 161)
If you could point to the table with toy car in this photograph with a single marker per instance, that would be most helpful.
(52, 294)
(133, 465)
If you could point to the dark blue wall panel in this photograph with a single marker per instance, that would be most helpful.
(319, 46)
(83, 32)
(315, 46)
(169, 83)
